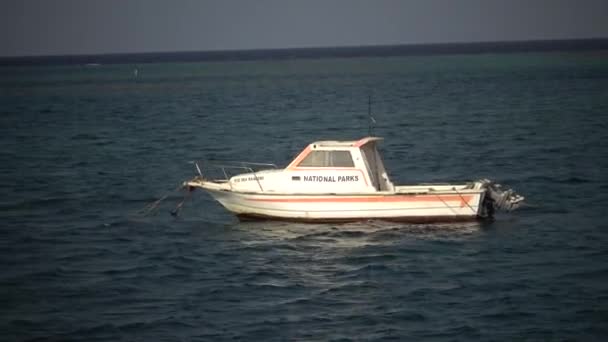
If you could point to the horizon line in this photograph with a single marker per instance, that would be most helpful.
(346, 51)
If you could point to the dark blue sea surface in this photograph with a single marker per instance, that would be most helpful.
(85, 147)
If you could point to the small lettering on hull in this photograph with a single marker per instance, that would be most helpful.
(248, 179)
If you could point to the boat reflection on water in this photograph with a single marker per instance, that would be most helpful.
(312, 263)
(351, 235)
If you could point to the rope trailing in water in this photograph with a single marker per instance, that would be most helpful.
(179, 206)
(152, 208)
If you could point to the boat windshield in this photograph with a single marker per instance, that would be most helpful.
(328, 159)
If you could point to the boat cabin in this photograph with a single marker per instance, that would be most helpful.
(324, 167)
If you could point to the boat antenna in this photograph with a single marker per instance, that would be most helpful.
(371, 120)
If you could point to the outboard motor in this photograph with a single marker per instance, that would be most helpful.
(498, 199)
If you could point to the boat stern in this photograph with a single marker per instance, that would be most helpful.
(496, 198)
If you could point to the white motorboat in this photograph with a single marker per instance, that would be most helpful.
(346, 181)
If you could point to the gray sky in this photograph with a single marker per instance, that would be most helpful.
(49, 27)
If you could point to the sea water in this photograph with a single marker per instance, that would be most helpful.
(86, 147)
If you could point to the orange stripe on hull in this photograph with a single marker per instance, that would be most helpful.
(463, 199)
(405, 219)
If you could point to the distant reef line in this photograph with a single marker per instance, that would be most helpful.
(314, 52)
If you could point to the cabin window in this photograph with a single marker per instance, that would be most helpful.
(328, 159)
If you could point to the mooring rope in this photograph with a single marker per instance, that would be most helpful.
(466, 202)
(447, 205)
(152, 208)
(179, 206)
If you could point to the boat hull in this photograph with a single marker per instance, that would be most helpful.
(420, 208)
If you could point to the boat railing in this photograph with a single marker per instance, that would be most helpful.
(227, 169)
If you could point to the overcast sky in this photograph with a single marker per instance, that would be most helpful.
(51, 27)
